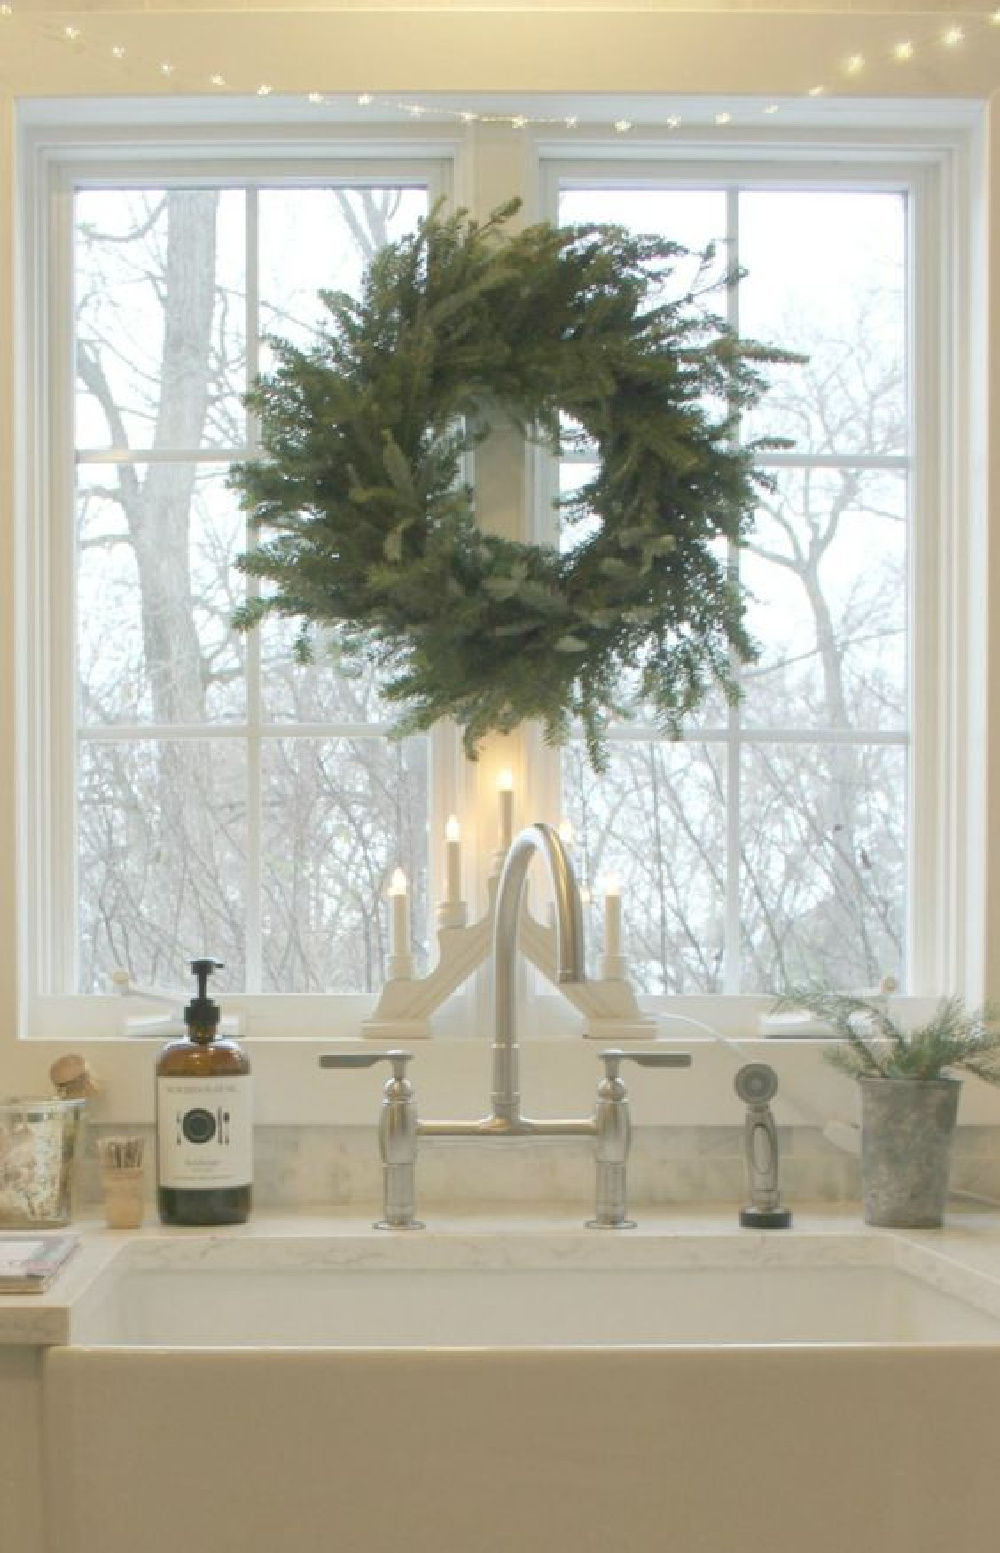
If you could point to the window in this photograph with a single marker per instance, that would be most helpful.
(194, 789)
(214, 791)
(224, 797)
(770, 845)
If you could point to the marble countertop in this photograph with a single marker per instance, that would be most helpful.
(963, 1257)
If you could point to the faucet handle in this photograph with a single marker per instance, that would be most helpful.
(614, 1132)
(615, 1056)
(397, 1134)
(397, 1058)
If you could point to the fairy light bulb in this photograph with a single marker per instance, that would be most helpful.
(217, 80)
(903, 51)
(952, 37)
(365, 99)
(854, 64)
(622, 126)
(723, 118)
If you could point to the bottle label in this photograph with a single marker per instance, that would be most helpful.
(204, 1131)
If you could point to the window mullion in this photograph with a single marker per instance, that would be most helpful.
(733, 926)
(56, 679)
(254, 865)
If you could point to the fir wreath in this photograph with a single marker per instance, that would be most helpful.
(566, 333)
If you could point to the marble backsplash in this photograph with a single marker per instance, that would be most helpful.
(339, 1167)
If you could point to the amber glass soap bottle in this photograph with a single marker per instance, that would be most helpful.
(204, 1123)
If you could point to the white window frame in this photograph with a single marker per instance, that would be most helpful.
(948, 864)
(921, 183)
(55, 163)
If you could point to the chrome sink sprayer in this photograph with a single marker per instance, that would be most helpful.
(399, 1126)
(757, 1084)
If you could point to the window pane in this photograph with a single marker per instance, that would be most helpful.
(156, 590)
(823, 864)
(656, 822)
(339, 816)
(825, 568)
(823, 824)
(160, 306)
(321, 691)
(694, 218)
(826, 275)
(162, 859)
(312, 239)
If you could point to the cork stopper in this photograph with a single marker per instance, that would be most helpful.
(72, 1078)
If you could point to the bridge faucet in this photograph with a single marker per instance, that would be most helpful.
(400, 1127)
(569, 952)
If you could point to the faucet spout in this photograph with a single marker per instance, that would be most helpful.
(539, 838)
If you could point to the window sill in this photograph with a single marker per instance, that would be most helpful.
(452, 1076)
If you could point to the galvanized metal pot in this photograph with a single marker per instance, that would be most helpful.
(907, 1128)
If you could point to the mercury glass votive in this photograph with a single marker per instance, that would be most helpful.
(38, 1140)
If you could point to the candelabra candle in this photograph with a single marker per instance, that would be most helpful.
(453, 863)
(505, 790)
(399, 918)
(612, 919)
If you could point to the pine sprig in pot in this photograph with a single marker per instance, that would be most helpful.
(875, 1046)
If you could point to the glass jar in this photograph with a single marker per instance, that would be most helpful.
(38, 1140)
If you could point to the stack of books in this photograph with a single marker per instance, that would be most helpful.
(28, 1263)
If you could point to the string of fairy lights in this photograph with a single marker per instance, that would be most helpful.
(145, 70)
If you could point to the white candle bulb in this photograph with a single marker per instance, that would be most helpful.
(399, 919)
(505, 790)
(453, 860)
(612, 917)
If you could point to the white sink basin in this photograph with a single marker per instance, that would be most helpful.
(553, 1392)
(503, 1292)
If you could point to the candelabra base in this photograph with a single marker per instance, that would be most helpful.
(407, 1003)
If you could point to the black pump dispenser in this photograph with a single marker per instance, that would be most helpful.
(204, 1118)
(202, 1013)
